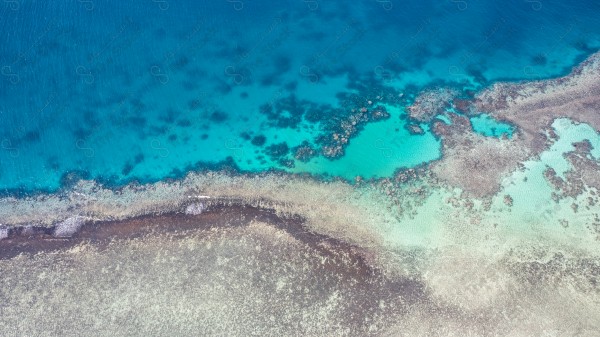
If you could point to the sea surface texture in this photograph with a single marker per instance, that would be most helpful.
(145, 90)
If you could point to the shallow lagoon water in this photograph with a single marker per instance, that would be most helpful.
(379, 150)
(484, 124)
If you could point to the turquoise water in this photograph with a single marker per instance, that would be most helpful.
(381, 149)
(532, 193)
(486, 125)
(132, 90)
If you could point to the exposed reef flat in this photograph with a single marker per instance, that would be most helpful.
(232, 254)
(478, 164)
(229, 271)
(473, 162)
(533, 106)
(431, 103)
(584, 172)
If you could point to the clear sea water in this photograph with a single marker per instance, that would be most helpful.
(146, 90)
(486, 125)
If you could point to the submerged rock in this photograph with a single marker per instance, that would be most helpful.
(415, 129)
(195, 208)
(508, 200)
(69, 227)
(3, 232)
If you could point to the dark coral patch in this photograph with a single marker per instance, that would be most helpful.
(304, 152)
(32, 136)
(169, 116)
(218, 116)
(259, 140)
(184, 123)
(138, 121)
(139, 158)
(127, 169)
(540, 60)
(289, 163)
(245, 136)
(194, 104)
(277, 151)
(286, 112)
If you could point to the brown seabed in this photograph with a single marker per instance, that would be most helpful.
(37, 239)
(331, 264)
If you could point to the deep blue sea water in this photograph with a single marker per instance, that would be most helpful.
(126, 90)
